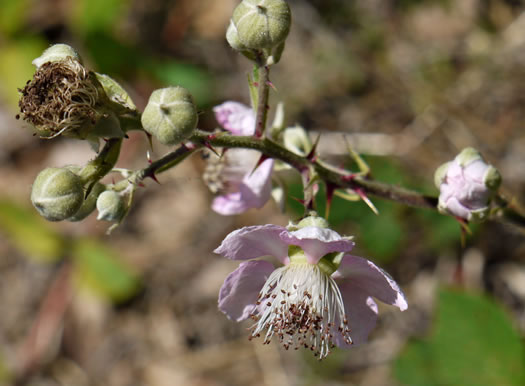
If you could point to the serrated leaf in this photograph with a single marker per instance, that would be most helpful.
(30, 233)
(473, 343)
(99, 268)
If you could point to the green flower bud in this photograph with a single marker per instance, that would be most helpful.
(259, 24)
(111, 206)
(171, 115)
(89, 204)
(57, 193)
(55, 53)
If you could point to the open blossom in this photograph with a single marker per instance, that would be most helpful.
(321, 297)
(466, 185)
(241, 183)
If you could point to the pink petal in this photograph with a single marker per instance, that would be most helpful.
(475, 171)
(456, 208)
(254, 191)
(254, 241)
(317, 242)
(361, 311)
(372, 280)
(235, 117)
(238, 294)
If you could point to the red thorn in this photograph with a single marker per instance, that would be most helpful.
(256, 84)
(262, 158)
(330, 188)
(141, 185)
(269, 83)
(207, 144)
(154, 178)
(312, 156)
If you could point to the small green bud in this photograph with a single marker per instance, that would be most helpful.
(111, 206)
(259, 24)
(57, 193)
(55, 53)
(440, 174)
(313, 220)
(492, 178)
(89, 204)
(171, 115)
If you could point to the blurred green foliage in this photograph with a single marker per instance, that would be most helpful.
(96, 266)
(473, 343)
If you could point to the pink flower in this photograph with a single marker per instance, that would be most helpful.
(321, 296)
(466, 185)
(243, 186)
(235, 117)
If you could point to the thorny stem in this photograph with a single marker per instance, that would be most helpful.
(342, 179)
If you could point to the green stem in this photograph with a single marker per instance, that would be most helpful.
(340, 180)
(103, 162)
(262, 100)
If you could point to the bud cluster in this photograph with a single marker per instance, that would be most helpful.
(65, 98)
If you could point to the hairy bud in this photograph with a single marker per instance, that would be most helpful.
(111, 206)
(259, 24)
(170, 115)
(57, 193)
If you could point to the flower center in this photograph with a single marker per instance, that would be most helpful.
(303, 307)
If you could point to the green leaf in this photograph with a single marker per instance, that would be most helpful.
(473, 343)
(30, 233)
(100, 269)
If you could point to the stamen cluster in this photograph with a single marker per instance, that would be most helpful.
(303, 306)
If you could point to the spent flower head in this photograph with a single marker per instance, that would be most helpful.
(319, 298)
(65, 98)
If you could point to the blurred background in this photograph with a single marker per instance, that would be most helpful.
(410, 82)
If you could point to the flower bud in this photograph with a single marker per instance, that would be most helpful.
(466, 185)
(170, 115)
(55, 53)
(111, 206)
(89, 204)
(57, 193)
(297, 141)
(259, 24)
